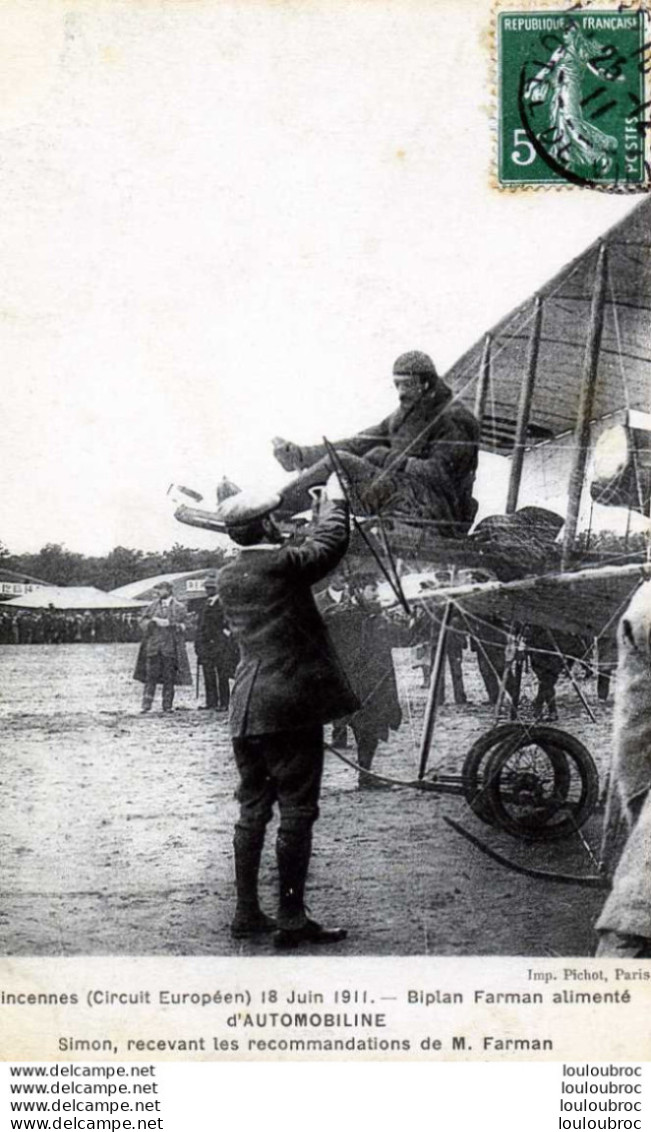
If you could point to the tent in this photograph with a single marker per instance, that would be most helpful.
(187, 585)
(143, 589)
(14, 583)
(71, 597)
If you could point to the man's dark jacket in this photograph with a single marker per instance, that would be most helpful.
(212, 641)
(289, 675)
(363, 638)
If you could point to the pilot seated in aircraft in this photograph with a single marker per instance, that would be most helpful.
(625, 923)
(418, 463)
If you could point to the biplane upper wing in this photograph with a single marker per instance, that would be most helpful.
(624, 355)
(584, 602)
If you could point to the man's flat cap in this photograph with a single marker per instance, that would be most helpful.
(246, 506)
(414, 364)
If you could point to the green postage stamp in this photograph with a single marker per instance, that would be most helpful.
(572, 101)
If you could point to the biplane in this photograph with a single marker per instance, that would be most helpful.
(561, 387)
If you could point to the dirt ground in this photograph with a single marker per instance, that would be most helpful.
(116, 831)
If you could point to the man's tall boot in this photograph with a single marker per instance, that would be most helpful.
(168, 697)
(148, 693)
(249, 919)
(293, 850)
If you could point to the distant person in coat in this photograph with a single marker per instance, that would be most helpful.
(162, 658)
(418, 462)
(216, 650)
(288, 684)
(489, 640)
(363, 637)
(551, 654)
(455, 642)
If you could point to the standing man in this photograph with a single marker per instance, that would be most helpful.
(288, 683)
(162, 658)
(215, 649)
(420, 462)
(363, 635)
(455, 642)
(550, 654)
(490, 641)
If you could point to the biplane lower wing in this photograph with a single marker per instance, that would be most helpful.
(583, 602)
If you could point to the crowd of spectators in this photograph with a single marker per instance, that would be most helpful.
(58, 626)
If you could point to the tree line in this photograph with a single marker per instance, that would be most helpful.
(61, 567)
(602, 544)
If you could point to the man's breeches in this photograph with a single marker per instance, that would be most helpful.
(283, 767)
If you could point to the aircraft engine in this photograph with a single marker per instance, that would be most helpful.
(621, 475)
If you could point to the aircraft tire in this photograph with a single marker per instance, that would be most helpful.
(474, 767)
(529, 796)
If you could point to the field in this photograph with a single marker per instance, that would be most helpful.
(116, 832)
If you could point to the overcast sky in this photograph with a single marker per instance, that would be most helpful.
(223, 221)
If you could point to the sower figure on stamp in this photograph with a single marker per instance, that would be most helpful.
(162, 657)
(288, 684)
(216, 650)
(625, 923)
(418, 462)
(574, 139)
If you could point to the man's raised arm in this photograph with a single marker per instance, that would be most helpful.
(328, 542)
(294, 457)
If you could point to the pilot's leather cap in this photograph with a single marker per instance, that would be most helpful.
(414, 364)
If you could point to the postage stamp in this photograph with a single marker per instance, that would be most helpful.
(571, 90)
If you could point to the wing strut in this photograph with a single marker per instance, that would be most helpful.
(483, 382)
(524, 408)
(433, 694)
(585, 410)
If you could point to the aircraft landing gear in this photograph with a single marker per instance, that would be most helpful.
(538, 783)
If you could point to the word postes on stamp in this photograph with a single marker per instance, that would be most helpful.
(571, 98)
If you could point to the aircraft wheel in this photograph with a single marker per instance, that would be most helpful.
(474, 768)
(541, 785)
